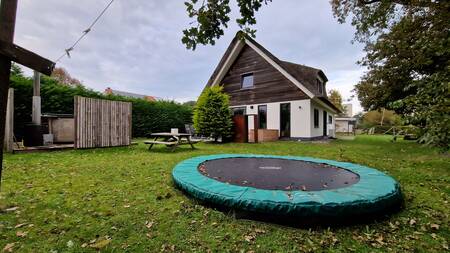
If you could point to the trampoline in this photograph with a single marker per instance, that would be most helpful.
(286, 185)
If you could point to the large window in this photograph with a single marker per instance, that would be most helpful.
(316, 118)
(247, 81)
(262, 116)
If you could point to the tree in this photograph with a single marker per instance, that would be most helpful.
(408, 60)
(212, 17)
(335, 97)
(63, 77)
(380, 118)
(212, 114)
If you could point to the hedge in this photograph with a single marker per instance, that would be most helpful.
(148, 117)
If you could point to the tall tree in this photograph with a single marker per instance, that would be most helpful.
(62, 76)
(336, 98)
(407, 49)
(212, 17)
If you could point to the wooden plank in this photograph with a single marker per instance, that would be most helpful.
(27, 58)
(9, 126)
(102, 123)
(269, 84)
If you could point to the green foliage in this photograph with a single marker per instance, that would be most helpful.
(407, 57)
(384, 117)
(147, 116)
(212, 114)
(212, 17)
(336, 98)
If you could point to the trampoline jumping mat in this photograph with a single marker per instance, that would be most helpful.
(286, 185)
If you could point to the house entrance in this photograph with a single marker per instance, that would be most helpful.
(285, 120)
(325, 123)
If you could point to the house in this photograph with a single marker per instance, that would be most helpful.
(282, 99)
(109, 91)
(344, 122)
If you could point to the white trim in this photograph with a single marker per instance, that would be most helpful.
(323, 104)
(230, 60)
(280, 69)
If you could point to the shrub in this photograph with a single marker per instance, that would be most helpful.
(147, 117)
(212, 114)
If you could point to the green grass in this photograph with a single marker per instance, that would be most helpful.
(72, 200)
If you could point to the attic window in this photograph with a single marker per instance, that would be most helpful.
(247, 81)
(319, 86)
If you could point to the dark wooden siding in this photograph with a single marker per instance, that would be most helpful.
(269, 84)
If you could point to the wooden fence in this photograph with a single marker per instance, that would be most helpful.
(101, 123)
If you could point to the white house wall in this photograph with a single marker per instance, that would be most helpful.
(300, 116)
(316, 132)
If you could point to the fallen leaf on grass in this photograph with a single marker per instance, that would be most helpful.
(249, 238)
(101, 243)
(434, 226)
(9, 247)
(412, 222)
(11, 209)
(69, 244)
(20, 225)
(21, 234)
(149, 224)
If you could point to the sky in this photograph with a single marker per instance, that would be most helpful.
(136, 46)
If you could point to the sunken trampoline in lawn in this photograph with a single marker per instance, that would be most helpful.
(285, 185)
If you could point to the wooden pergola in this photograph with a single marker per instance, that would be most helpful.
(9, 52)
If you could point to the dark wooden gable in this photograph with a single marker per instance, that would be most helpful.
(269, 84)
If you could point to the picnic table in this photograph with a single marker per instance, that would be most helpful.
(171, 140)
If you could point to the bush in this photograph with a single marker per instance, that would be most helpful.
(212, 114)
(147, 117)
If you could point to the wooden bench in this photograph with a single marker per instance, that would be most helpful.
(168, 143)
(171, 140)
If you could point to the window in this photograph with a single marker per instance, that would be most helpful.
(319, 86)
(330, 119)
(316, 118)
(239, 110)
(262, 116)
(247, 81)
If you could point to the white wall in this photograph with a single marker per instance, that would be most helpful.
(315, 132)
(300, 116)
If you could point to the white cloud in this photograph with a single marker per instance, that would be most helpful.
(136, 46)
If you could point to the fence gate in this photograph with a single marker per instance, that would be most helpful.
(101, 123)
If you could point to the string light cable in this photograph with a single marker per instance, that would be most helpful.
(85, 32)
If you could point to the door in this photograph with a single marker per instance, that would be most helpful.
(325, 123)
(285, 120)
(240, 128)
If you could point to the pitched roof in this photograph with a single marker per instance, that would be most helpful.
(301, 75)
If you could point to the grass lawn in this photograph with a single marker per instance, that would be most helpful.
(123, 200)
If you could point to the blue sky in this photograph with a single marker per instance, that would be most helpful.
(136, 46)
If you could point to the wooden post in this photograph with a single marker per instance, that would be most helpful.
(36, 109)
(256, 127)
(7, 23)
(9, 127)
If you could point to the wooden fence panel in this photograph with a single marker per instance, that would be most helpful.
(101, 123)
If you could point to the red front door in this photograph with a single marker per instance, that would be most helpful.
(240, 128)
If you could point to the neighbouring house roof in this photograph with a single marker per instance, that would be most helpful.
(110, 91)
(304, 77)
